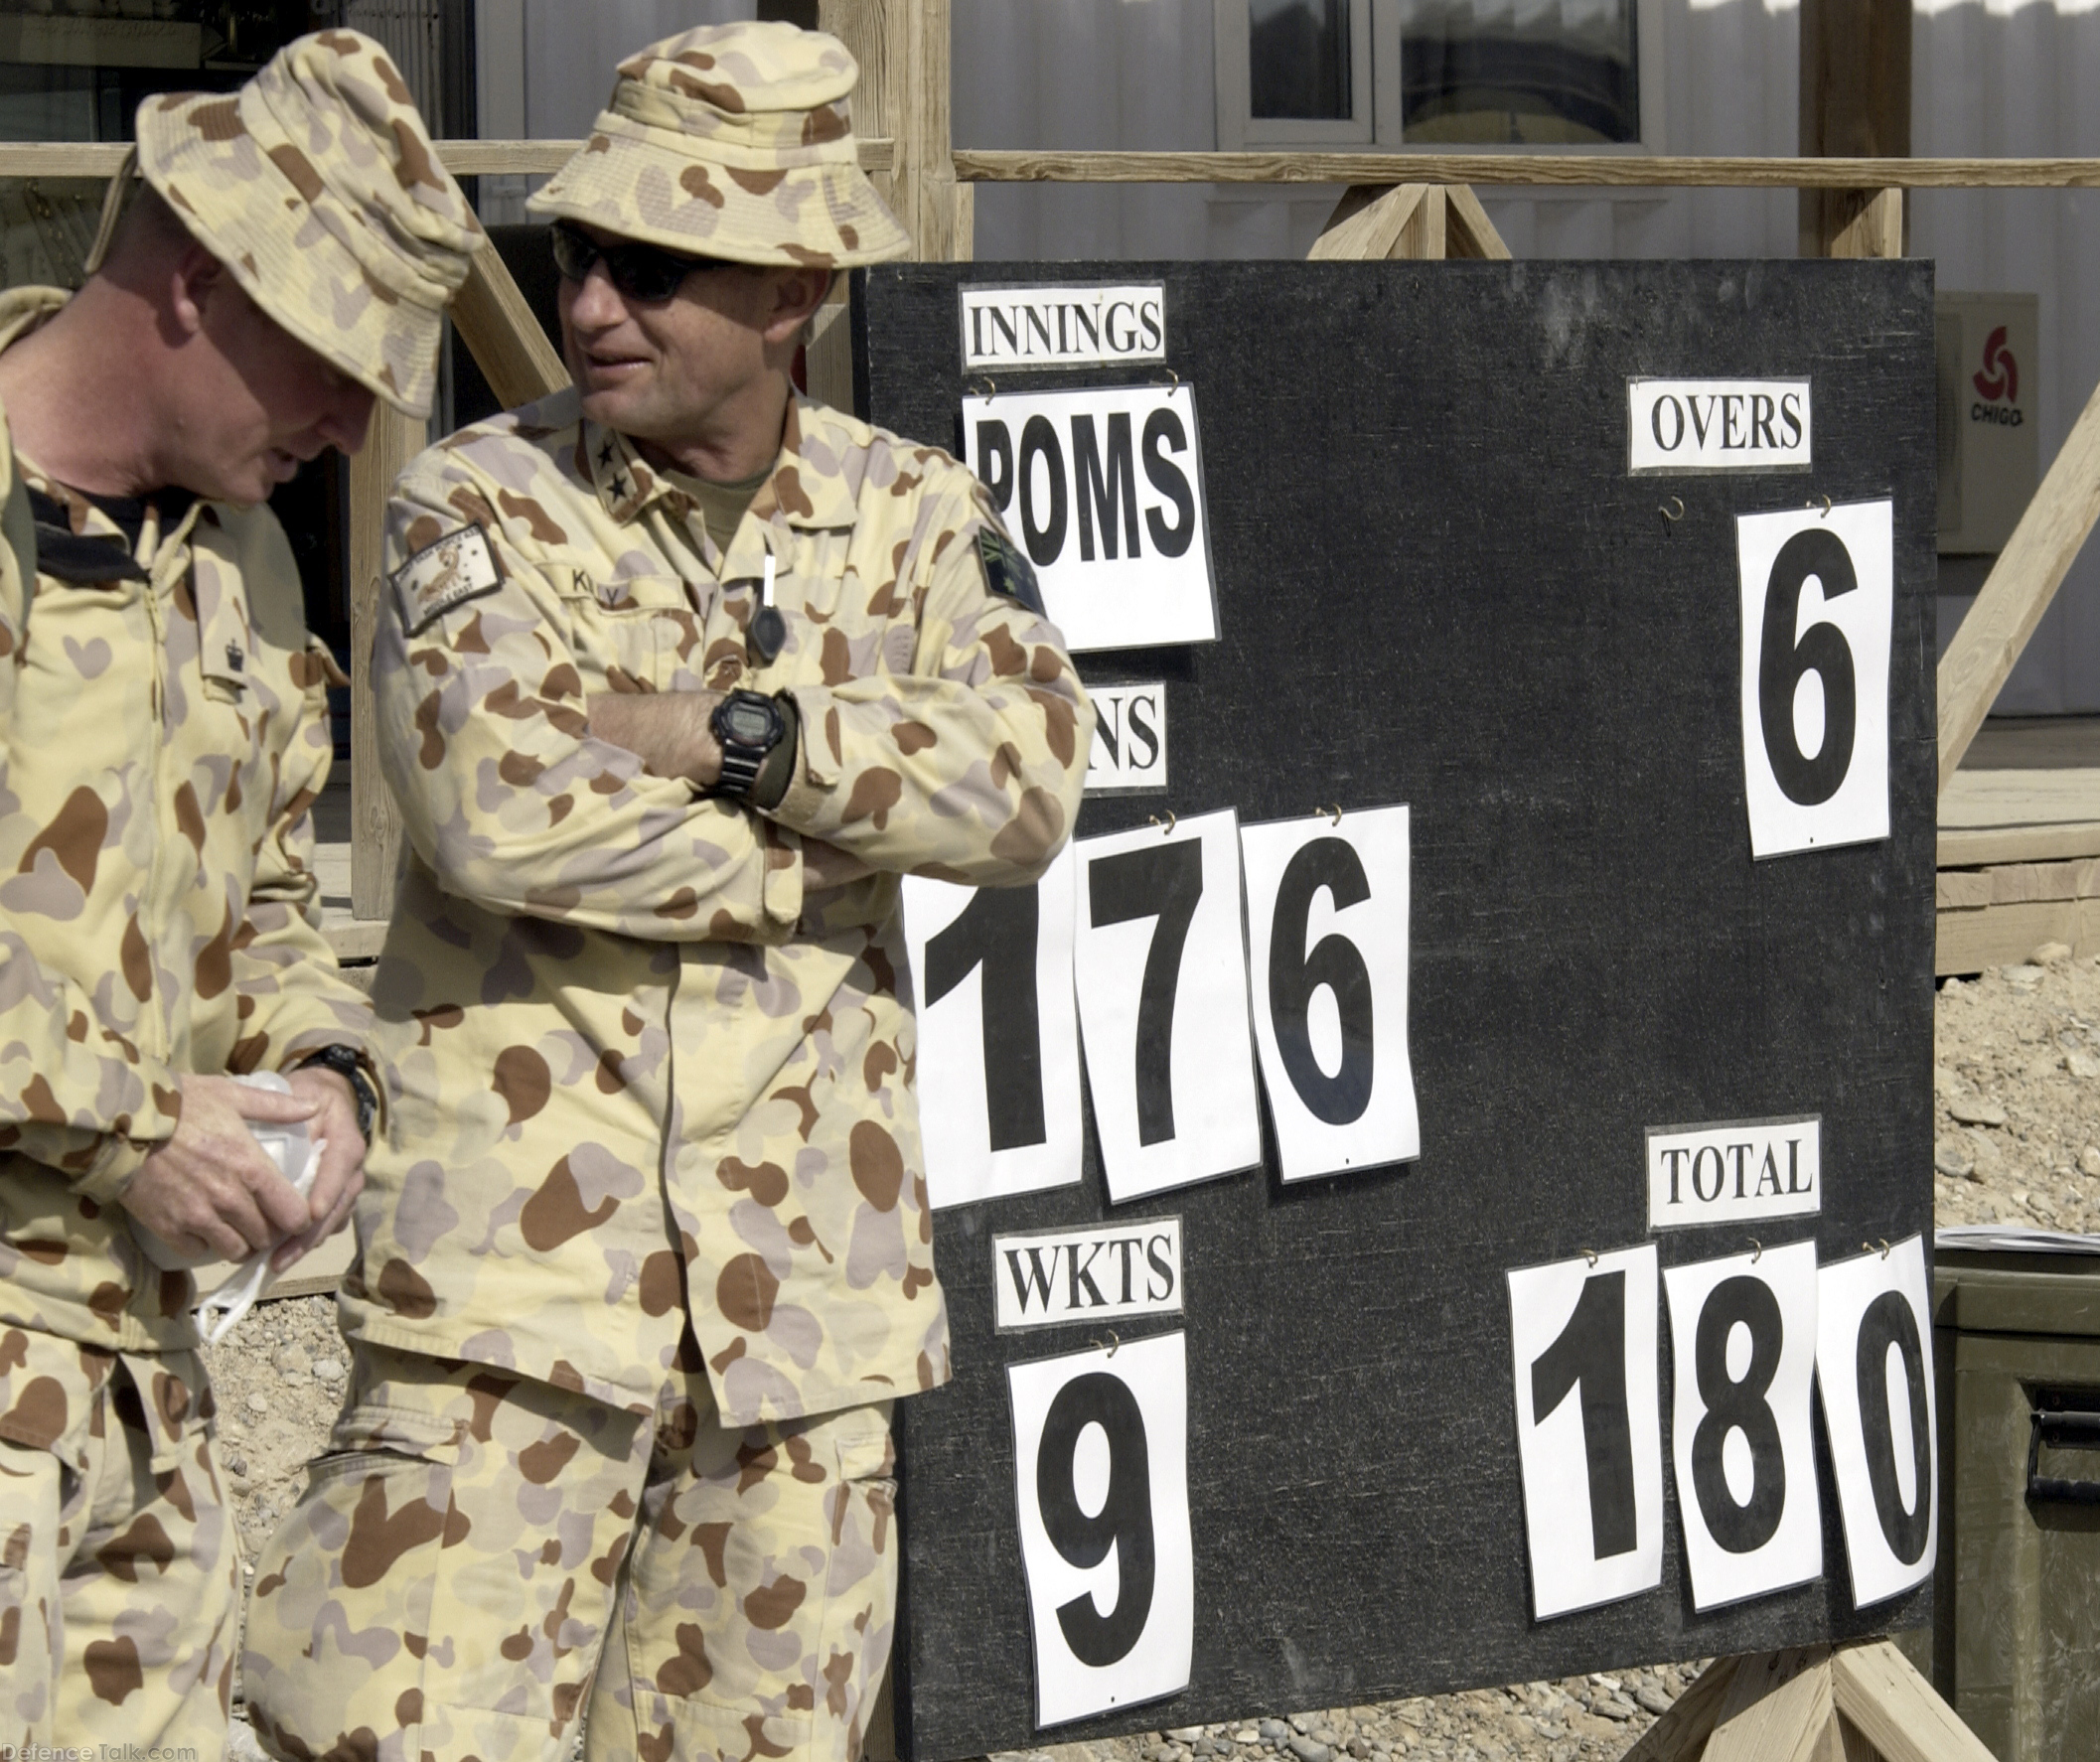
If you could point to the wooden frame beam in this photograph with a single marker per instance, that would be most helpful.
(1628, 171)
(2019, 589)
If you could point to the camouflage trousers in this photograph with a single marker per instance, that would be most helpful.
(480, 1558)
(118, 1586)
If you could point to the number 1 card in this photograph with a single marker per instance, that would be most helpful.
(998, 1035)
(1589, 1428)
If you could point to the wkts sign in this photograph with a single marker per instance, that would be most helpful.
(1499, 1410)
(1104, 487)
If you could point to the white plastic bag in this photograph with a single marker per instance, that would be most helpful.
(296, 1156)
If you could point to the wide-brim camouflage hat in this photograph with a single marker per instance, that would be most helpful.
(316, 185)
(732, 141)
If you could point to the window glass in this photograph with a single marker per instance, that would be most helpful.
(1527, 72)
(1299, 60)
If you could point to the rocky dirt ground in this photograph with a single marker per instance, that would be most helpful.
(2016, 1078)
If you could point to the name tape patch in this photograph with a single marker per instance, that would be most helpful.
(456, 566)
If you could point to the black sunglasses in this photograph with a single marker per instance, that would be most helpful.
(638, 271)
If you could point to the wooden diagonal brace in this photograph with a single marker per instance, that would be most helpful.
(1681, 1735)
(1778, 1709)
(503, 334)
(1896, 1710)
(2018, 592)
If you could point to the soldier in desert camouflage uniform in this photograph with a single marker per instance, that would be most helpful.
(163, 733)
(648, 1254)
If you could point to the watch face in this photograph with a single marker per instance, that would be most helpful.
(750, 723)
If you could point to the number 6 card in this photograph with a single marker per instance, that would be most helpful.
(1101, 1473)
(1327, 920)
(1818, 601)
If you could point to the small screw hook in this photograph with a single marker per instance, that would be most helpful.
(1114, 1343)
(1663, 510)
(1590, 1255)
(1759, 1247)
(1167, 826)
(1335, 811)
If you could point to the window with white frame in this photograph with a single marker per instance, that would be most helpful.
(1454, 73)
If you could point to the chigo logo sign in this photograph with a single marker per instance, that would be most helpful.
(1998, 384)
(1076, 326)
(1712, 425)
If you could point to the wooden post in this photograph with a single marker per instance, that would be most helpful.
(903, 50)
(374, 821)
(1431, 221)
(1854, 103)
(2019, 589)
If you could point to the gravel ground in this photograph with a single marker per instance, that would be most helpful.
(2016, 1085)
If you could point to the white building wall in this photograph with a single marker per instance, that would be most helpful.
(1992, 79)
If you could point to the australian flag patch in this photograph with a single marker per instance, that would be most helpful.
(1007, 572)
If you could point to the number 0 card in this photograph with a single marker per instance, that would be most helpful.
(1101, 1467)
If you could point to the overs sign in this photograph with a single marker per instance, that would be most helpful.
(1708, 425)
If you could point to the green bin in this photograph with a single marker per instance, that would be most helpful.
(2016, 1640)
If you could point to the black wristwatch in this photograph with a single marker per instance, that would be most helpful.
(747, 727)
(349, 1064)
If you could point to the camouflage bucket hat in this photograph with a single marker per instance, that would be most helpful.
(316, 186)
(732, 141)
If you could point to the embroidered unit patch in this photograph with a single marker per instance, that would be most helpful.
(1007, 572)
(459, 567)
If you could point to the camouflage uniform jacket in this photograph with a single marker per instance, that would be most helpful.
(642, 1074)
(161, 741)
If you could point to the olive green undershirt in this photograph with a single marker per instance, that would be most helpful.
(721, 505)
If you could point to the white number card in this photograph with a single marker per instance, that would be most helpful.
(1327, 920)
(1818, 601)
(1742, 1330)
(1104, 488)
(1874, 1370)
(1101, 1482)
(1589, 1428)
(998, 1035)
(1162, 1005)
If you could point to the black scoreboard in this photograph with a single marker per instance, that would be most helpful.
(1484, 1235)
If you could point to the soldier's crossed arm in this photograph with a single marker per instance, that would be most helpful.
(485, 739)
(970, 767)
(90, 1104)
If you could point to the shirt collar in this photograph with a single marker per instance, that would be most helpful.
(807, 490)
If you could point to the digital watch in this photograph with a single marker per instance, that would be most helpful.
(747, 727)
(349, 1064)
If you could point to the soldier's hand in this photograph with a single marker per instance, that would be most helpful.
(210, 1188)
(341, 1177)
(667, 730)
